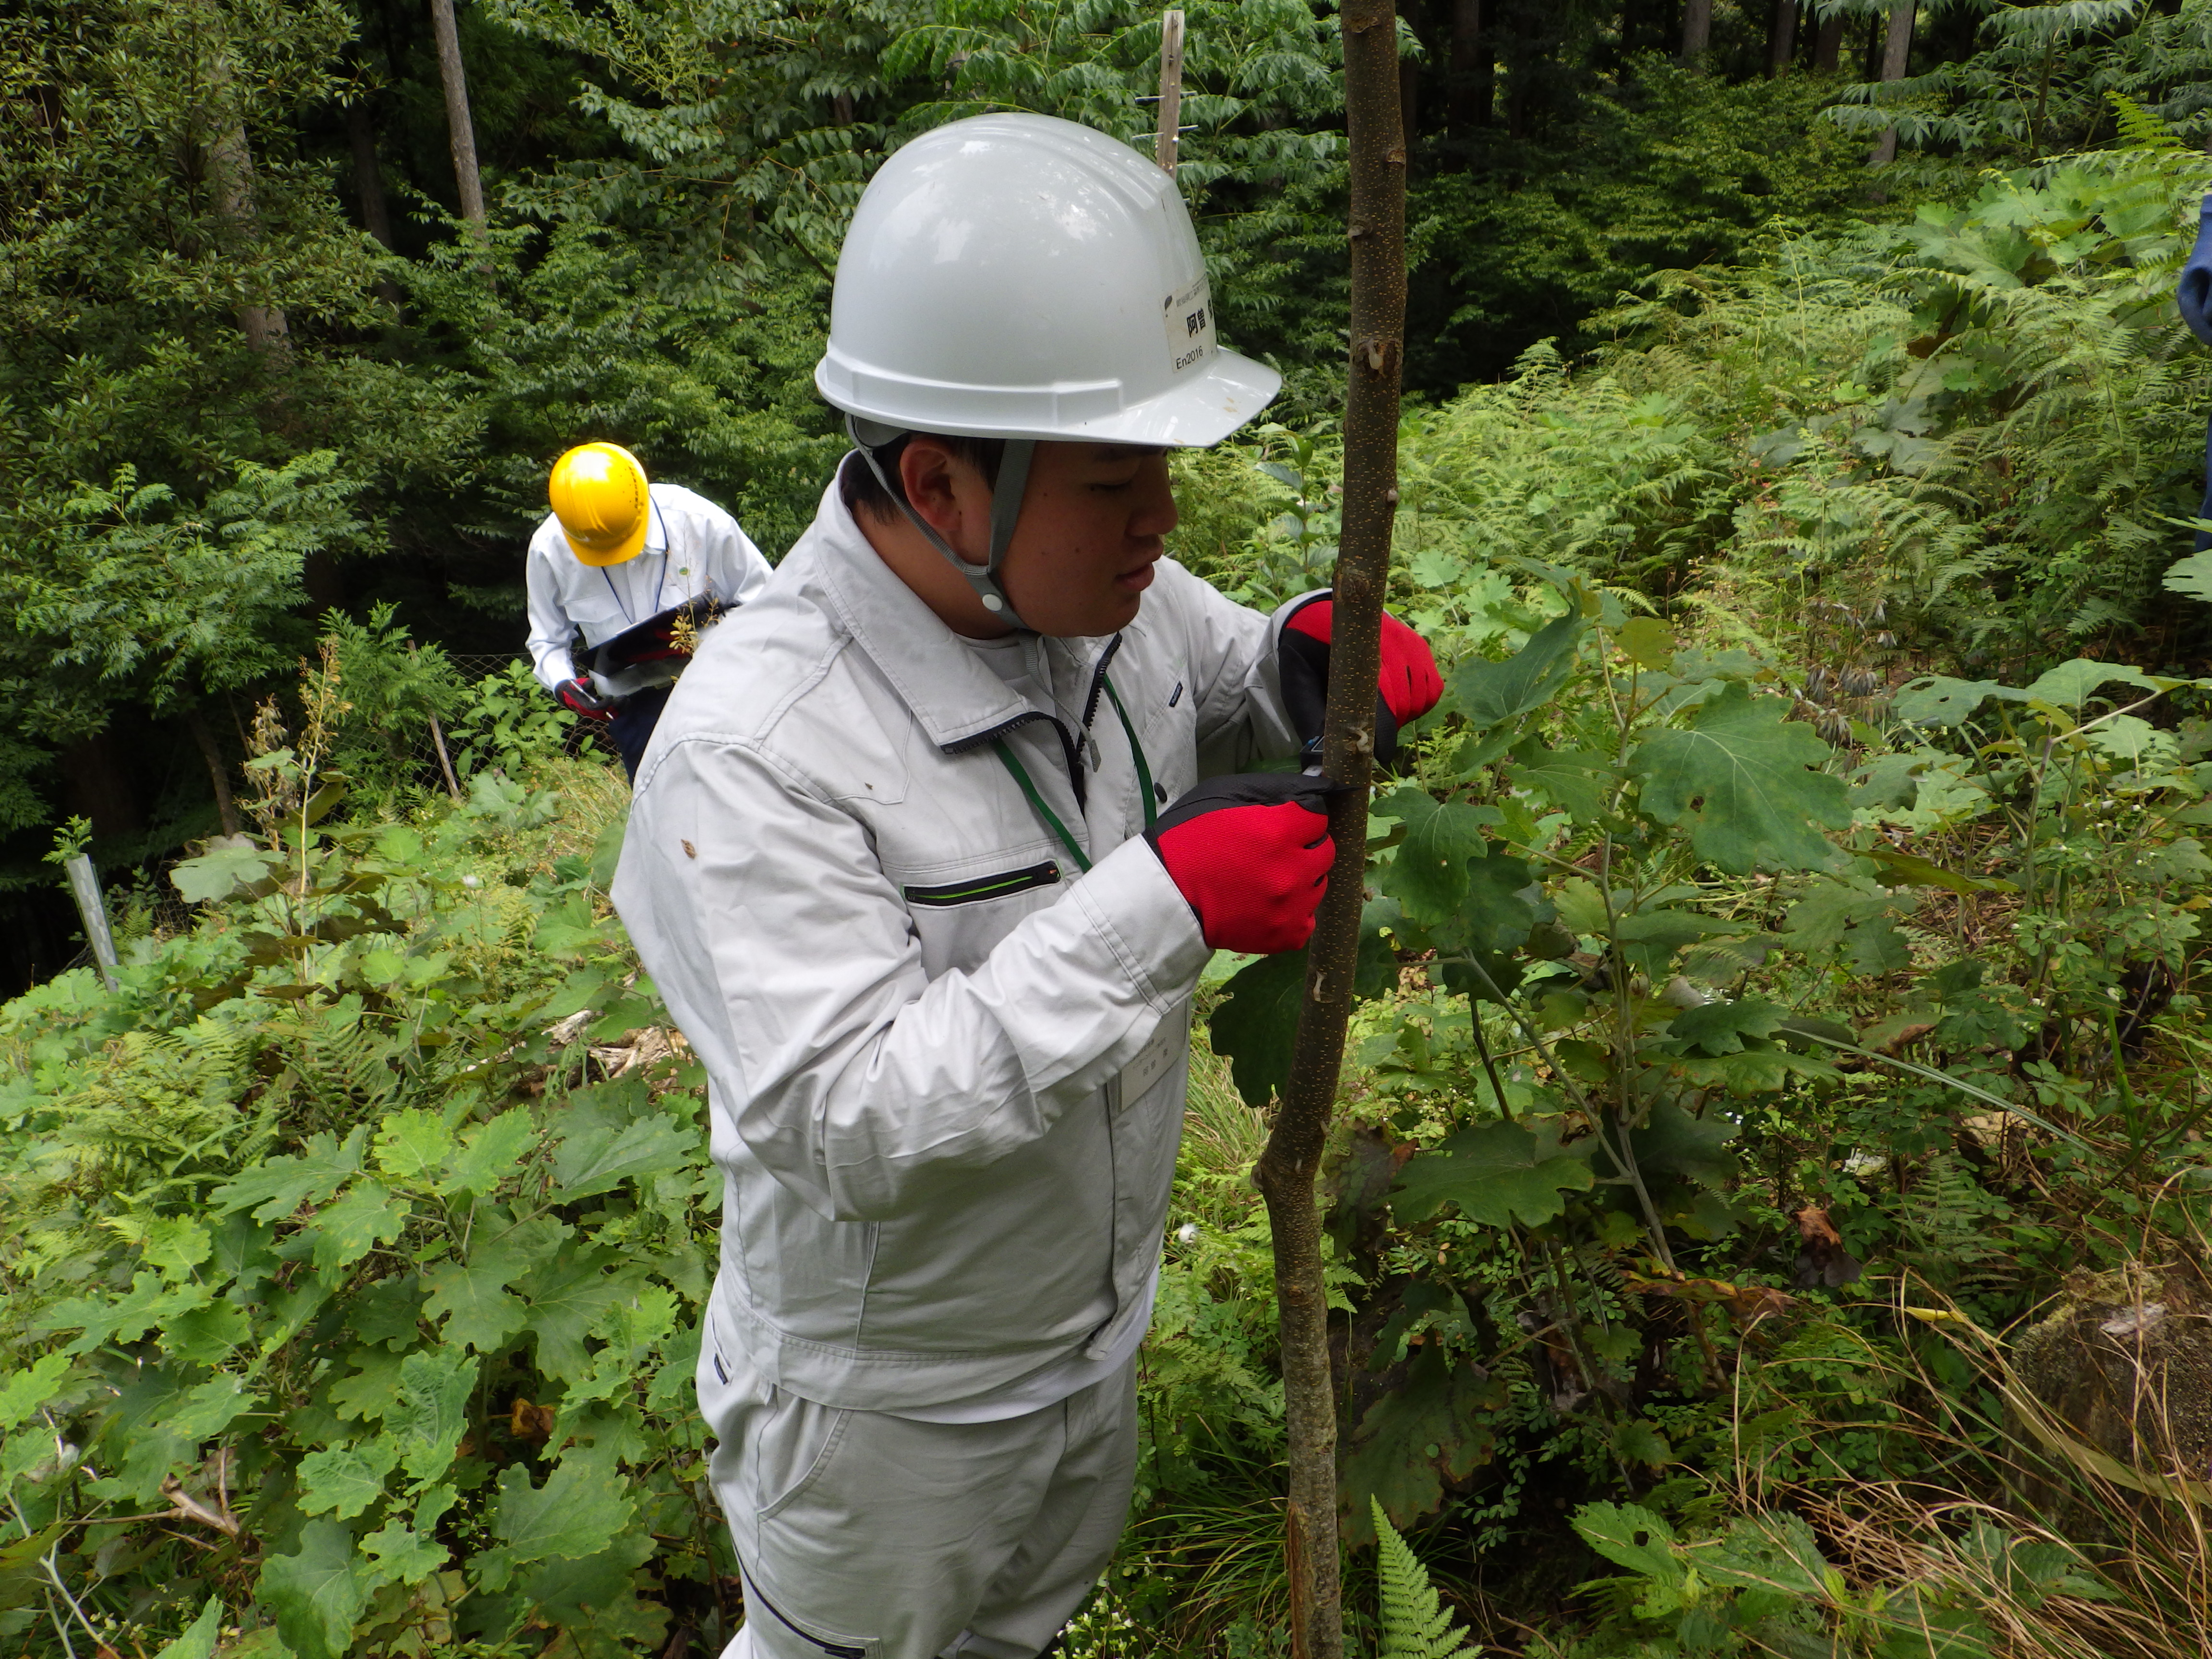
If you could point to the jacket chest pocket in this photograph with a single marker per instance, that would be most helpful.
(960, 916)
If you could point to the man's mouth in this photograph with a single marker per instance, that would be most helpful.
(1136, 578)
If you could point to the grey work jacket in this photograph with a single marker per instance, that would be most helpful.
(946, 1070)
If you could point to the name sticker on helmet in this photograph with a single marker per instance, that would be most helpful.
(1190, 322)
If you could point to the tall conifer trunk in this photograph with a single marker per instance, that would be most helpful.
(1292, 1158)
(1697, 29)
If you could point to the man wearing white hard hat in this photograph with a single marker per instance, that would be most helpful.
(618, 561)
(924, 861)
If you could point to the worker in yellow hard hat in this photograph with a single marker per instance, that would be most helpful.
(620, 561)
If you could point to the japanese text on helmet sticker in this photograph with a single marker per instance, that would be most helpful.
(1189, 321)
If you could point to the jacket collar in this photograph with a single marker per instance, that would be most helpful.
(956, 699)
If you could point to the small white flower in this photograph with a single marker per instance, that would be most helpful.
(1188, 1233)
(471, 881)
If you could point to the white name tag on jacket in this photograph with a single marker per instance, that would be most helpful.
(1154, 1060)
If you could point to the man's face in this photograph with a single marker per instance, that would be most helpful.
(1094, 522)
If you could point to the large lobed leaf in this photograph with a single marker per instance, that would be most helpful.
(1741, 780)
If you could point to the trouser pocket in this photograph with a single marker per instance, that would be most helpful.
(778, 1637)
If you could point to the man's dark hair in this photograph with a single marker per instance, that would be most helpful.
(858, 488)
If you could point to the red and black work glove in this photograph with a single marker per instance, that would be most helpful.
(577, 696)
(1251, 855)
(1410, 687)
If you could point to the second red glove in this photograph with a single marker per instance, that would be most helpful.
(1410, 683)
(1250, 854)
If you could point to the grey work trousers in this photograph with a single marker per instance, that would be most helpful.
(864, 1536)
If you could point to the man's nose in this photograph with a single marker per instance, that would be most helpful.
(1155, 513)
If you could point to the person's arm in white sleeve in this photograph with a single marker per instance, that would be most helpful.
(551, 630)
(733, 566)
(1231, 651)
(787, 957)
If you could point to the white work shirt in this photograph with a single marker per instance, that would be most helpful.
(946, 1064)
(693, 549)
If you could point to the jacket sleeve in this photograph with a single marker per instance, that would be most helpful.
(1230, 650)
(730, 565)
(550, 630)
(787, 957)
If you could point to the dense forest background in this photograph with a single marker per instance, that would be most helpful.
(267, 357)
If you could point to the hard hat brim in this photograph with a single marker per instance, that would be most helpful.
(627, 548)
(1228, 394)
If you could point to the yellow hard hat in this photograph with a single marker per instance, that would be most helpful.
(598, 491)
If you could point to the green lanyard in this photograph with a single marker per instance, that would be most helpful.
(1052, 818)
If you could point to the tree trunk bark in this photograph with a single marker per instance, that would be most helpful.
(1286, 1169)
(454, 77)
(1409, 80)
(1894, 51)
(1828, 45)
(368, 176)
(1781, 37)
(1467, 108)
(1697, 30)
(218, 774)
(230, 176)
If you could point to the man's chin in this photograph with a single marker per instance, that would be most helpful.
(1110, 615)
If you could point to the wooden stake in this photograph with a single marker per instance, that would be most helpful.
(1292, 1158)
(1165, 143)
(92, 908)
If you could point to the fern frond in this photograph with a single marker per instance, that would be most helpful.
(2140, 129)
(1415, 1625)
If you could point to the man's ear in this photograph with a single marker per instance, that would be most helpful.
(928, 470)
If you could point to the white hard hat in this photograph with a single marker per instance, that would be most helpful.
(1020, 277)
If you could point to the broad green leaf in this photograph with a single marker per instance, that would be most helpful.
(315, 1593)
(1937, 700)
(175, 1244)
(606, 849)
(568, 1298)
(1255, 1024)
(348, 1230)
(346, 1480)
(578, 1512)
(2071, 684)
(1646, 641)
(1739, 780)
(473, 1301)
(1719, 1028)
(279, 1186)
(1579, 783)
(1850, 915)
(1490, 693)
(1632, 1537)
(412, 1144)
(1427, 1430)
(371, 1392)
(432, 1412)
(604, 1155)
(231, 863)
(1497, 1173)
(2191, 575)
(1673, 1145)
(1501, 906)
(1429, 875)
(146, 1304)
(199, 1639)
(208, 1409)
(1651, 939)
(22, 1392)
(1906, 869)
(492, 1152)
(403, 1555)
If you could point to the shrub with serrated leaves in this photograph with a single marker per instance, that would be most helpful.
(335, 1291)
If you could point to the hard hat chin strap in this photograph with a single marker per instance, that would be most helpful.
(869, 436)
